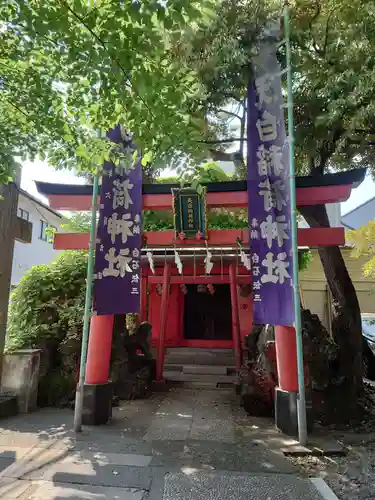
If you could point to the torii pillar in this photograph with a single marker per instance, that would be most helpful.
(286, 393)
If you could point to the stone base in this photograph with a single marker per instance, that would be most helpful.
(286, 416)
(97, 403)
(20, 377)
(8, 405)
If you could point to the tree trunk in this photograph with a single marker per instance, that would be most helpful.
(346, 314)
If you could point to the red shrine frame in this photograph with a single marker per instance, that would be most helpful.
(310, 191)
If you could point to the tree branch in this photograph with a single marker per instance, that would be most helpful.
(229, 113)
(224, 141)
(229, 95)
(315, 16)
(323, 52)
(235, 157)
(115, 59)
(18, 109)
(327, 150)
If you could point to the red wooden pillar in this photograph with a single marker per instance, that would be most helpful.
(144, 295)
(236, 332)
(99, 349)
(163, 321)
(286, 358)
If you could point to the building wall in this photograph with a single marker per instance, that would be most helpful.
(334, 214)
(38, 251)
(315, 290)
(361, 215)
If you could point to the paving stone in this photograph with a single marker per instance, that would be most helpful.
(194, 431)
(94, 475)
(229, 457)
(5, 465)
(15, 452)
(12, 488)
(156, 490)
(52, 491)
(211, 486)
(34, 459)
(102, 458)
(213, 430)
(164, 428)
(19, 440)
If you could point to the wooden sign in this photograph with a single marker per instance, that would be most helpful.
(189, 210)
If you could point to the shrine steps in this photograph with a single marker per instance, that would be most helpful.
(199, 356)
(200, 368)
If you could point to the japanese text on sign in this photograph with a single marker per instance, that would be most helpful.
(118, 252)
(268, 191)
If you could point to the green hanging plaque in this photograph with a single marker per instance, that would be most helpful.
(189, 210)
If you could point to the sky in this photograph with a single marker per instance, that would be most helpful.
(359, 195)
(41, 171)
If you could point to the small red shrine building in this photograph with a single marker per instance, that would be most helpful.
(219, 319)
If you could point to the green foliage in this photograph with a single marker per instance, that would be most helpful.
(209, 172)
(71, 69)
(168, 180)
(305, 258)
(56, 389)
(333, 46)
(48, 303)
(220, 52)
(79, 222)
(363, 241)
(175, 73)
(223, 218)
(46, 312)
(217, 219)
(157, 221)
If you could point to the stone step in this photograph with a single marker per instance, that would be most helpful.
(205, 369)
(201, 385)
(186, 356)
(172, 367)
(198, 350)
(193, 377)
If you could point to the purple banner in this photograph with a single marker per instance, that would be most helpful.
(269, 195)
(118, 248)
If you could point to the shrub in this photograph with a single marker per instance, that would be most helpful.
(46, 312)
(48, 302)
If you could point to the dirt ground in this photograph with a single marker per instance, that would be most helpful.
(353, 475)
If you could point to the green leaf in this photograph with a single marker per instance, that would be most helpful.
(147, 158)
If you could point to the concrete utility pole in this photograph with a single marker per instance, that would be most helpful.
(11, 228)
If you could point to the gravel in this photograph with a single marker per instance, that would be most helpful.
(351, 476)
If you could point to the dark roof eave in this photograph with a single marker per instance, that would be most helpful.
(40, 203)
(354, 177)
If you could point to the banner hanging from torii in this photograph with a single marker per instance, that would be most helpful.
(119, 235)
(269, 194)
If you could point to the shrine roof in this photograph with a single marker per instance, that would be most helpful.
(350, 177)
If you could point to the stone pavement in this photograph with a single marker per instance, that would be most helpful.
(179, 445)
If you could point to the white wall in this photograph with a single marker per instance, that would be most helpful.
(334, 214)
(38, 251)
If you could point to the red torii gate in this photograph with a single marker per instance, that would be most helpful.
(332, 188)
